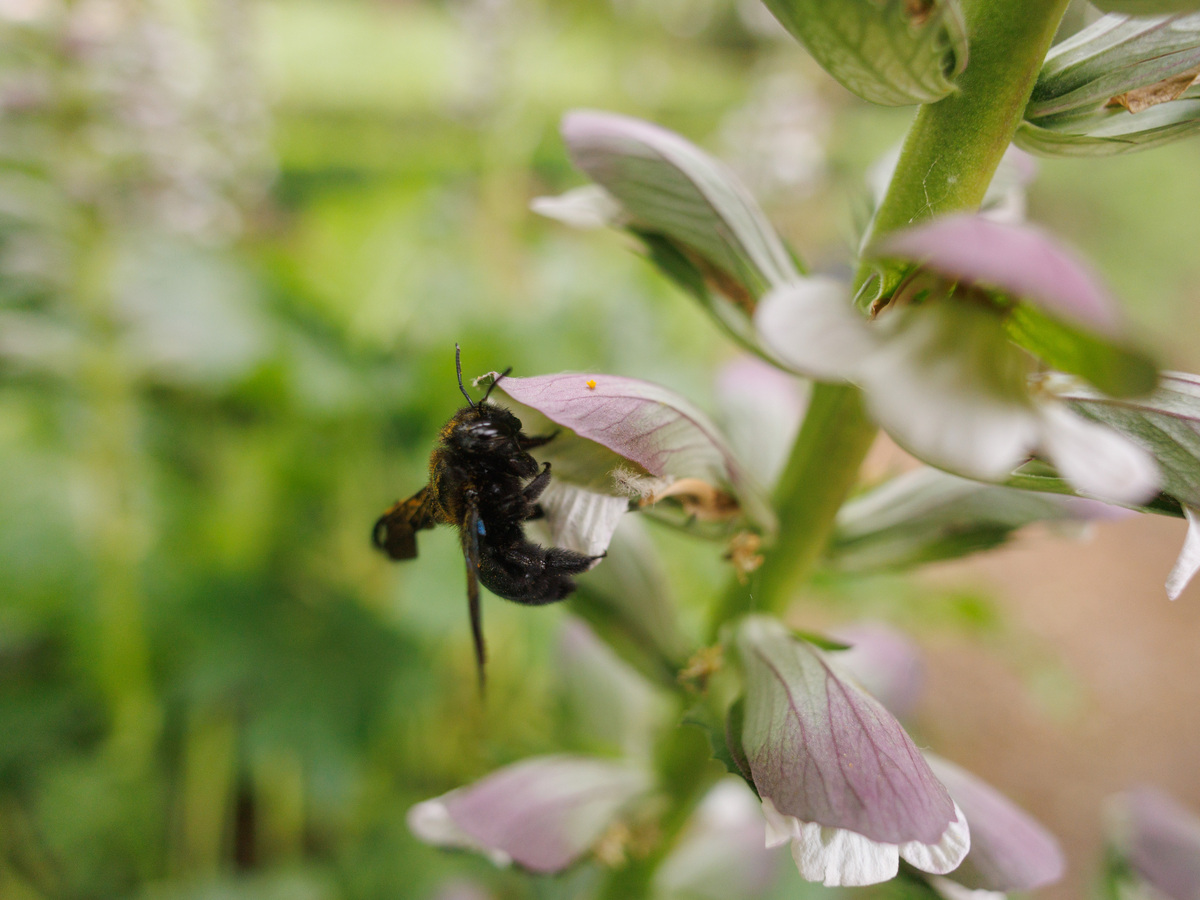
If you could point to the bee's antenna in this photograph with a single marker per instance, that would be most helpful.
(494, 383)
(458, 369)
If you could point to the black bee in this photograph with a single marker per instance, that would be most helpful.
(482, 479)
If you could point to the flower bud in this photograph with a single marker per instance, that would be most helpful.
(1120, 84)
(543, 813)
(1157, 841)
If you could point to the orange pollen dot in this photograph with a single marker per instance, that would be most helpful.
(591, 384)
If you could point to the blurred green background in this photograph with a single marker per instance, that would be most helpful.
(238, 241)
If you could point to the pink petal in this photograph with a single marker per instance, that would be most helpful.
(1010, 851)
(1019, 259)
(1161, 842)
(544, 812)
(885, 661)
(825, 752)
(643, 422)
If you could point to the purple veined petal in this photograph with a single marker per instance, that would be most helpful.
(646, 423)
(1160, 841)
(543, 813)
(1188, 562)
(825, 752)
(720, 855)
(810, 326)
(1096, 459)
(432, 823)
(1010, 851)
(1019, 259)
(672, 186)
(885, 661)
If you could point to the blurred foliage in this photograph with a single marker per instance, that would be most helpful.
(238, 241)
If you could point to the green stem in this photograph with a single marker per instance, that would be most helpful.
(822, 470)
(948, 159)
(952, 150)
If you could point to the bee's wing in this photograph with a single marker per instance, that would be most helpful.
(470, 531)
(395, 532)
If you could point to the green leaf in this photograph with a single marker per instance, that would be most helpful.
(894, 53)
(1109, 132)
(1116, 370)
(1071, 110)
(929, 515)
(702, 715)
(1040, 477)
(819, 640)
(721, 299)
(1112, 55)
(1166, 423)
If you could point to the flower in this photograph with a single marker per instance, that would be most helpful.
(1010, 851)
(941, 373)
(720, 854)
(1158, 842)
(543, 813)
(838, 777)
(885, 662)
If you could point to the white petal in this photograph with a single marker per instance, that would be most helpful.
(946, 854)
(1095, 459)
(939, 415)
(579, 519)
(948, 386)
(952, 890)
(780, 828)
(833, 856)
(811, 327)
(839, 858)
(584, 207)
(430, 821)
(1189, 557)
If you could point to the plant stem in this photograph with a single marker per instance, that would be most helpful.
(948, 159)
(820, 473)
(953, 147)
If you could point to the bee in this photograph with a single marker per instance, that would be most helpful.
(483, 480)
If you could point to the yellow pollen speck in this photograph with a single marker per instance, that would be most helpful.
(591, 384)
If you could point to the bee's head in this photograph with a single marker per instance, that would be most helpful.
(485, 429)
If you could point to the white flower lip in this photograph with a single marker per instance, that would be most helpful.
(840, 858)
(946, 384)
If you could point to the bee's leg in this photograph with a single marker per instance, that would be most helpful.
(472, 528)
(534, 489)
(529, 441)
(569, 562)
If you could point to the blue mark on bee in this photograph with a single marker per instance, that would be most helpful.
(479, 527)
